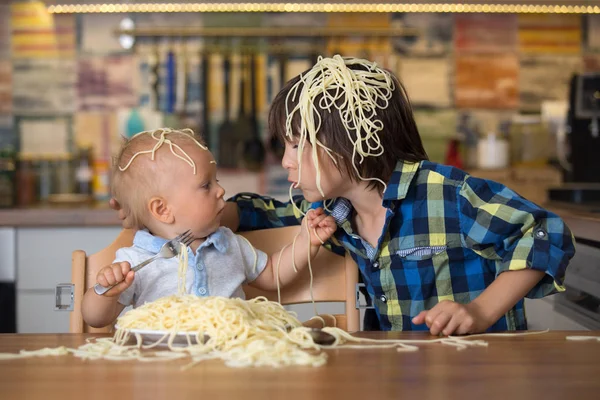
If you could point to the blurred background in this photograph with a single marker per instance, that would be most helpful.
(508, 91)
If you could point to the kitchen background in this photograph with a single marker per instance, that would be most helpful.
(490, 92)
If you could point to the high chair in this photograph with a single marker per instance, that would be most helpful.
(335, 277)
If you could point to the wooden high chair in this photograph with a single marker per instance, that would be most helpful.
(334, 277)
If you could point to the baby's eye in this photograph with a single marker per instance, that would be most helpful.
(205, 186)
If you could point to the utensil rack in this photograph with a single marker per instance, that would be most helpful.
(268, 32)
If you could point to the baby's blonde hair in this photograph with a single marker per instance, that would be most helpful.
(135, 180)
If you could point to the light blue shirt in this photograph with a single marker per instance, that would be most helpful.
(221, 265)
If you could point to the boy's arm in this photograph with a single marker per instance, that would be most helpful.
(99, 311)
(249, 211)
(530, 247)
(267, 280)
(502, 294)
(449, 317)
(306, 246)
(516, 234)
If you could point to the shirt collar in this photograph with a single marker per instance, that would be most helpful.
(152, 244)
(397, 188)
(399, 183)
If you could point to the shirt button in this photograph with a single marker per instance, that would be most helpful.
(202, 291)
(540, 234)
(383, 298)
(200, 267)
(376, 264)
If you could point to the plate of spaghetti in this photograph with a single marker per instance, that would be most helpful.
(167, 338)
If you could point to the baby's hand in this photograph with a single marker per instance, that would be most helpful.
(320, 225)
(113, 274)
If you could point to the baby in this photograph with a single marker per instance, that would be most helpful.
(166, 180)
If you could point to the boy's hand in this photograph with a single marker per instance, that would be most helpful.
(449, 317)
(113, 274)
(318, 222)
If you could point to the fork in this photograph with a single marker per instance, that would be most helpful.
(168, 250)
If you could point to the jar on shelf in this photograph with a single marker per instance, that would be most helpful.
(26, 181)
(45, 181)
(7, 177)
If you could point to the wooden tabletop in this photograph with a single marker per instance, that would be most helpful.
(544, 366)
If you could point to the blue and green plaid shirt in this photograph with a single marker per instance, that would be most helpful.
(447, 236)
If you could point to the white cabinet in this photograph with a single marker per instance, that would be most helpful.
(542, 315)
(43, 259)
(35, 313)
(7, 255)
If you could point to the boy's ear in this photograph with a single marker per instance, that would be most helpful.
(160, 210)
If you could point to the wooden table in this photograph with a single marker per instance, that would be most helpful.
(544, 366)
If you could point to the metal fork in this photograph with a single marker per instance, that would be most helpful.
(168, 250)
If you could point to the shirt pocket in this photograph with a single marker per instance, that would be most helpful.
(420, 253)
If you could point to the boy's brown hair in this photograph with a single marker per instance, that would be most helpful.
(399, 137)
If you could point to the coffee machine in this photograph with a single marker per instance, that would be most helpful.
(582, 181)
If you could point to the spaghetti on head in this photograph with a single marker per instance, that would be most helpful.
(353, 112)
(139, 163)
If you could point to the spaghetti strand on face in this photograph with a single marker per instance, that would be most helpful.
(355, 94)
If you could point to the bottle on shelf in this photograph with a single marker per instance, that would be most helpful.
(84, 172)
(101, 182)
(45, 181)
(7, 177)
(26, 181)
(64, 175)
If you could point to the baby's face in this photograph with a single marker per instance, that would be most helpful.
(196, 200)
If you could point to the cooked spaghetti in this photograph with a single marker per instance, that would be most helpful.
(355, 94)
(242, 333)
(176, 150)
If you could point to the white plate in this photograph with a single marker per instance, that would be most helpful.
(151, 337)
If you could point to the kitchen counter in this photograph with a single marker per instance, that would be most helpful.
(544, 366)
(583, 221)
(87, 215)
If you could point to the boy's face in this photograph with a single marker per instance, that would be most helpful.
(332, 182)
(196, 200)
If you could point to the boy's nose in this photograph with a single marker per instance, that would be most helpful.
(287, 161)
(221, 192)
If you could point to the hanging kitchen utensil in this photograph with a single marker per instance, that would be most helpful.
(181, 78)
(254, 150)
(275, 144)
(154, 68)
(243, 129)
(205, 78)
(170, 82)
(226, 131)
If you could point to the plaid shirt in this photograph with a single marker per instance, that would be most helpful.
(447, 236)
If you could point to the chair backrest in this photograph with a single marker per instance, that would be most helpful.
(334, 277)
